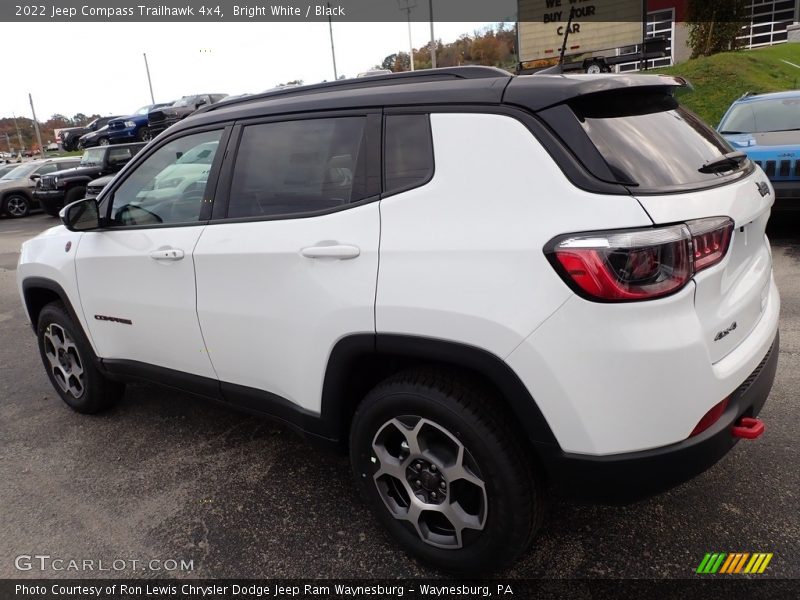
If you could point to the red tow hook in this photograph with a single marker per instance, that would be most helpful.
(748, 428)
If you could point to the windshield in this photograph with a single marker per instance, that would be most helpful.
(186, 101)
(20, 172)
(142, 111)
(93, 157)
(761, 116)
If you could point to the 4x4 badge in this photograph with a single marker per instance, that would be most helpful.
(763, 188)
(725, 332)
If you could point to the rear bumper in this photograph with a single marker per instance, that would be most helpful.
(629, 476)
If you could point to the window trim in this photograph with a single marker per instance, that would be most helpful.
(107, 195)
(373, 133)
(398, 112)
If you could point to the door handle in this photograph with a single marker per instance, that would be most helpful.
(167, 254)
(339, 251)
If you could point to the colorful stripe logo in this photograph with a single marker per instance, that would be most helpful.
(734, 562)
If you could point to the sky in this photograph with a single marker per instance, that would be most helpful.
(99, 68)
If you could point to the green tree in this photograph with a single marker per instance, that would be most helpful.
(714, 25)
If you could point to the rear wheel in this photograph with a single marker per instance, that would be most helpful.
(16, 206)
(144, 135)
(445, 472)
(69, 362)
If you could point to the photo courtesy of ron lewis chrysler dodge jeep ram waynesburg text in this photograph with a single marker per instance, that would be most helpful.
(593, 306)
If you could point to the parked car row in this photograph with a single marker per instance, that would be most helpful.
(140, 126)
(55, 190)
(17, 185)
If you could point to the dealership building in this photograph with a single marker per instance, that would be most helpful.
(770, 22)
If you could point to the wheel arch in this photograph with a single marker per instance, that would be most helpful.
(357, 363)
(38, 292)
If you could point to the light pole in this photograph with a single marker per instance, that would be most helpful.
(433, 40)
(149, 83)
(407, 5)
(36, 128)
(333, 51)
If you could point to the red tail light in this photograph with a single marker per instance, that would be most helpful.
(710, 240)
(619, 266)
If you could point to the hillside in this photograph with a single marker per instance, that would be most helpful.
(720, 79)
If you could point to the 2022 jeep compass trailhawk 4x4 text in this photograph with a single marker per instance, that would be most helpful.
(476, 283)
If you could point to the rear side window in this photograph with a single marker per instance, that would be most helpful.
(408, 154)
(647, 140)
(295, 167)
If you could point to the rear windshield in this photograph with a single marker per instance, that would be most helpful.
(647, 140)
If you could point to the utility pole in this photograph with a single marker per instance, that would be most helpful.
(407, 5)
(333, 51)
(19, 135)
(8, 142)
(36, 127)
(149, 83)
(433, 40)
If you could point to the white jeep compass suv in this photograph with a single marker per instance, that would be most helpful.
(477, 283)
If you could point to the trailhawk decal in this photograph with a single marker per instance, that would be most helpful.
(113, 319)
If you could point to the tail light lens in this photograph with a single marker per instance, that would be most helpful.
(620, 266)
(710, 240)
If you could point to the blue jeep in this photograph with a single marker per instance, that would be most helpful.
(132, 128)
(767, 128)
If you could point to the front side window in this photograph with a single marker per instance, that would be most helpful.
(299, 167)
(164, 189)
(48, 168)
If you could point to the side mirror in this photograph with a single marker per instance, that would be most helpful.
(82, 215)
(35, 176)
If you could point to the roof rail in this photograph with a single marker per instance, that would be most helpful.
(447, 73)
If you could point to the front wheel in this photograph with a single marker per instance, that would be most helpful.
(69, 362)
(103, 142)
(444, 471)
(16, 206)
(144, 135)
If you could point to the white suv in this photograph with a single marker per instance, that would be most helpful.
(476, 283)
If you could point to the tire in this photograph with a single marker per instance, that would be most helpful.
(73, 194)
(70, 363)
(103, 142)
(144, 134)
(418, 423)
(16, 206)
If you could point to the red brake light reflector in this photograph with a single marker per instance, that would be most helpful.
(711, 417)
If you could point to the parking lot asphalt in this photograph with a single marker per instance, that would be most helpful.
(165, 475)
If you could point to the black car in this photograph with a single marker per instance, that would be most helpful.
(58, 189)
(70, 137)
(160, 119)
(95, 138)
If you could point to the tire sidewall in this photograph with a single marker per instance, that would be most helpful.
(55, 314)
(500, 524)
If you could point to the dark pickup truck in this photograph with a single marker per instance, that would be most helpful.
(161, 118)
(56, 190)
(70, 137)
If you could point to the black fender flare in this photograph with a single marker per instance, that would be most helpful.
(347, 353)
